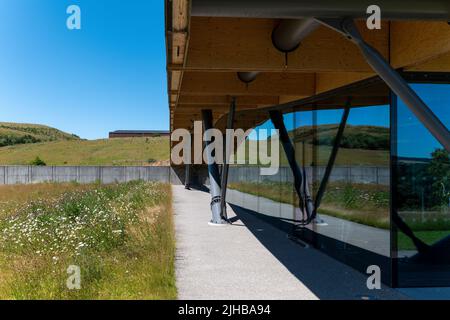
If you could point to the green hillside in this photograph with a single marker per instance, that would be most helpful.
(361, 145)
(129, 151)
(15, 134)
(355, 137)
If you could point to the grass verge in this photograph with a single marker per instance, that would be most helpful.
(429, 237)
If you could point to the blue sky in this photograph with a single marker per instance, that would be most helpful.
(414, 140)
(109, 75)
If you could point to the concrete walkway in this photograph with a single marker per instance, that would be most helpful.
(254, 260)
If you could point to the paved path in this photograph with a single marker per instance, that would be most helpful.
(253, 260)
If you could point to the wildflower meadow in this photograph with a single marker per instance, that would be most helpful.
(120, 236)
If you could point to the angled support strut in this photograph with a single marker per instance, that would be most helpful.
(331, 160)
(300, 179)
(393, 79)
(300, 184)
(402, 89)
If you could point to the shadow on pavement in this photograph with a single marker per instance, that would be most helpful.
(325, 277)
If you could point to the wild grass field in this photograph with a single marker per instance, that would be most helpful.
(127, 151)
(120, 236)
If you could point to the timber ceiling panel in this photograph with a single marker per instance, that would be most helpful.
(204, 54)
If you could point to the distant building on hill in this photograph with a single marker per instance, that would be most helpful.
(138, 133)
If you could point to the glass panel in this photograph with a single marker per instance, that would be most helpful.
(355, 207)
(269, 186)
(303, 135)
(288, 197)
(353, 224)
(422, 194)
(248, 188)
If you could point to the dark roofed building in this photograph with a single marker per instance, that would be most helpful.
(138, 133)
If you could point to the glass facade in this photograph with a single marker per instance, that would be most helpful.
(421, 207)
(390, 183)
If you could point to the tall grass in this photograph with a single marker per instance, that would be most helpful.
(121, 237)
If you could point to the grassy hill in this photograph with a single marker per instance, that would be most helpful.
(355, 137)
(15, 134)
(129, 151)
(360, 146)
(346, 156)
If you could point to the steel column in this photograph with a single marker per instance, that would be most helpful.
(226, 162)
(213, 170)
(300, 183)
(187, 178)
(331, 161)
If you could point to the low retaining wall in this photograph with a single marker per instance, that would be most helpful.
(360, 174)
(82, 174)
(175, 175)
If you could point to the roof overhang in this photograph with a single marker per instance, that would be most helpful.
(210, 41)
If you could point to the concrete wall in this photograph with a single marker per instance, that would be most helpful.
(175, 175)
(83, 174)
(363, 174)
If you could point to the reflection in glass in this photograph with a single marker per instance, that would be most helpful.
(355, 206)
(422, 212)
(359, 202)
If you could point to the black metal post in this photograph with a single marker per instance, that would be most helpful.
(331, 161)
(214, 176)
(300, 184)
(226, 162)
(187, 178)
